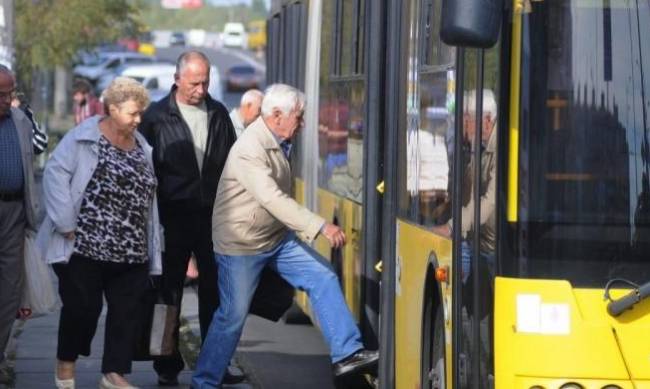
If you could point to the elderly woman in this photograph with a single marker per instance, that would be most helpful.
(101, 231)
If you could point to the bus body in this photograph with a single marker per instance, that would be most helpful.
(504, 286)
(257, 35)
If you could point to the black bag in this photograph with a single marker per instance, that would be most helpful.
(273, 296)
(154, 335)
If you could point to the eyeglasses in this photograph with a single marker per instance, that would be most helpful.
(8, 95)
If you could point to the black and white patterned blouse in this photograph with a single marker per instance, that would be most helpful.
(112, 222)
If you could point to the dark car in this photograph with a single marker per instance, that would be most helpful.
(241, 77)
(177, 39)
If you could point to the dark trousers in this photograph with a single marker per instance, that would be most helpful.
(188, 232)
(12, 240)
(82, 282)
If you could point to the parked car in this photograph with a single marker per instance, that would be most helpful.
(240, 77)
(108, 62)
(158, 78)
(234, 35)
(177, 38)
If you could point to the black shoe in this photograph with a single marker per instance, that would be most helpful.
(232, 379)
(361, 361)
(167, 380)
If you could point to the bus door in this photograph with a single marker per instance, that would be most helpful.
(475, 215)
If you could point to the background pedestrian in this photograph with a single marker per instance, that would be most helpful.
(191, 134)
(85, 104)
(249, 109)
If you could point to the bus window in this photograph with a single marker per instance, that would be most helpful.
(425, 199)
(584, 196)
(342, 101)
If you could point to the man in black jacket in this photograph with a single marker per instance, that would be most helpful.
(191, 135)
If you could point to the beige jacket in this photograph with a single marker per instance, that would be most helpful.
(253, 210)
(487, 215)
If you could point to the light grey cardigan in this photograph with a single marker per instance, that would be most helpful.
(66, 176)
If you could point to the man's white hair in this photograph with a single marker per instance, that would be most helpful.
(251, 96)
(489, 103)
(283, 97)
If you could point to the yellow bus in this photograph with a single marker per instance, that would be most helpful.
(257, 35)
(489, 162)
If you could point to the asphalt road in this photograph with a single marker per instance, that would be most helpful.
(223, 59)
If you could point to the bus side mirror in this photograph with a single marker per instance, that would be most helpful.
(471, 23)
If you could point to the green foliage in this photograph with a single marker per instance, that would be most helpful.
(258, 7)
(50, 32)
(207, 18)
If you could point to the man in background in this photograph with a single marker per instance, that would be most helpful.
(191, 135)
(85, 104)
(248, 111)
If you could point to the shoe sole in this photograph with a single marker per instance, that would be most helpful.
(361, 368)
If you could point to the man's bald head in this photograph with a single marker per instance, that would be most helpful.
(250, 106)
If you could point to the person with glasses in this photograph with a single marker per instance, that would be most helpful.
(18, 205)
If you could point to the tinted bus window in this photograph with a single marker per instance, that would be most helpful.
(584, 204)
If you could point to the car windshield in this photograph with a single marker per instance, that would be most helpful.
(584, 196)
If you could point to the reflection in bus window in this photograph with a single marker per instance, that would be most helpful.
(488, 166)
(341, 102)
(584, 202)
(428, 154)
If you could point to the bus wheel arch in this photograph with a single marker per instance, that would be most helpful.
(432, 369)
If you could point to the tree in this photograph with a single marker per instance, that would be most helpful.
(259, 8)
(49, 33)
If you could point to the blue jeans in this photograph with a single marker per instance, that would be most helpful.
(466, 255)
(238, 279)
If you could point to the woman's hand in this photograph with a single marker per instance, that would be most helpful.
(69, 235)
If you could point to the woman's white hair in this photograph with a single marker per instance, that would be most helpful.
(283, 97)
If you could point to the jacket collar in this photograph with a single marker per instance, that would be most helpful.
(88, 131)
(264, 134)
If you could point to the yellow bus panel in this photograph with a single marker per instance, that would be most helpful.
(414, 248)
(349, 215)
(546, 332)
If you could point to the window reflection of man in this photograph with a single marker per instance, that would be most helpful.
(487, 196)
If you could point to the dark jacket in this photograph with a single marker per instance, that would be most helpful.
(179, 181)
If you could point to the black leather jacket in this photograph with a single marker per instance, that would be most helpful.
(180, 184)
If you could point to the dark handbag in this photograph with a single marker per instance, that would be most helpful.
(154, 335)
(273, 296)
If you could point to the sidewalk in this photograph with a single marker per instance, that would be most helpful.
(32, 352)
